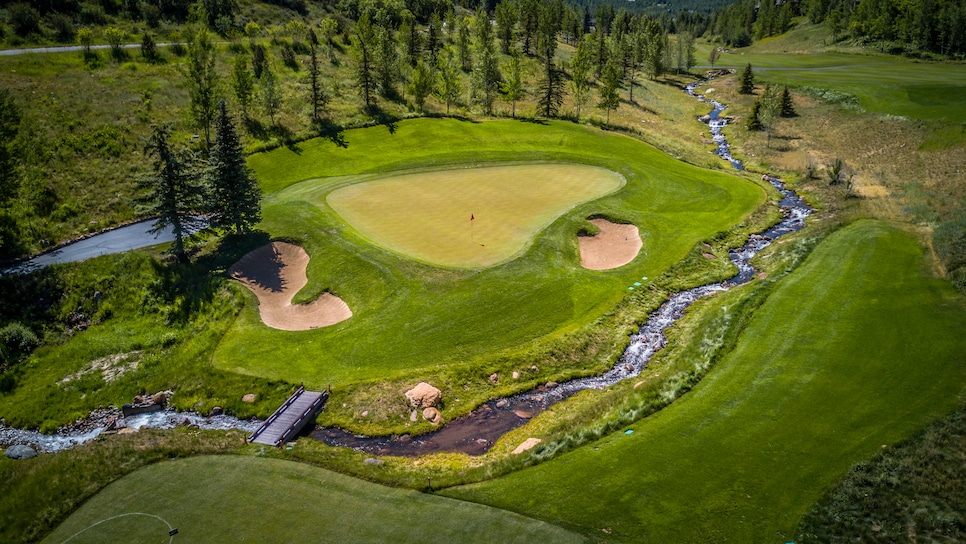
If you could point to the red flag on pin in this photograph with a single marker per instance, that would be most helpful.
(471, 217)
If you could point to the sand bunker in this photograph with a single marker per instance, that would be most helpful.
(615, 245)
(276, 272)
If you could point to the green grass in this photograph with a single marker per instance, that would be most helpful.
(880, 83)
(464, 318)
(41, 492)
(250, 499)
(857, 348)
(471, 217)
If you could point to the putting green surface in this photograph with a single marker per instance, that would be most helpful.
(238, 499)
(856, 349)
(471, 217)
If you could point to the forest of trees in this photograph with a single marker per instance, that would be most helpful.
(910, 26)
(385, 53)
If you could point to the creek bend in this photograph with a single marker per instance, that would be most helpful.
(476, 432)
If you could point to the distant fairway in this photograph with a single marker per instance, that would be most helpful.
(879, 83)
(221, 499)
(427, 215)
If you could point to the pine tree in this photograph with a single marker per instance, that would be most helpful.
(271, 95)
(234, 200)
(318, 97)
(747, 81)
(364, 48)
(172, 193)
(387, 62)
(787, 108)
(550, 89)
(754, 119)
(486, 73)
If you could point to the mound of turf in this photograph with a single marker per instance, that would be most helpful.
(247, 499)
(857, 348)
(410, 317)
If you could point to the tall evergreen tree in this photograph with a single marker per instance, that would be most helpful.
(463, 44)
(364, 45)
(317, 95)
(387, 61)
(747, 81)
(754, 119)
(787, 108)
(506, 20)
(234, 200)
(412, 41)
(486, 73)
(172, 192)
(434, 39)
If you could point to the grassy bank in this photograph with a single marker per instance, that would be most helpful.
(782, 417)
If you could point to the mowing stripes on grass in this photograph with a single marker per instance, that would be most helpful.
(470, 217)
(854, 350)
(249, 499)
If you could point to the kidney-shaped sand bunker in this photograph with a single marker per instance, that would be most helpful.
(275, 272)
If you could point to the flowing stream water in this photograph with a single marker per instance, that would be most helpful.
(477, 431)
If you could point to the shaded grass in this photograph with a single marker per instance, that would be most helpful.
(822, 376)
(211, 499)
(911, 492)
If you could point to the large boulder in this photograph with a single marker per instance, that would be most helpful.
(423, 396)
(20, 452)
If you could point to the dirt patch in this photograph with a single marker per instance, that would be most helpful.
(615, 245)
(274, 273)
(111, 367)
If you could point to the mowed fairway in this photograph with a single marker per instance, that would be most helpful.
(856, 349)
(409, 316)
(471, 217)
(236, 499)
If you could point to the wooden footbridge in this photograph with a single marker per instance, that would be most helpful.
(290, 417)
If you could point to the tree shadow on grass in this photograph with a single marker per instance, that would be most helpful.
(333, 132)
(187, 287)
(382, 117)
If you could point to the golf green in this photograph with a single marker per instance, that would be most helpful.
(470, 217)
(220, 499)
